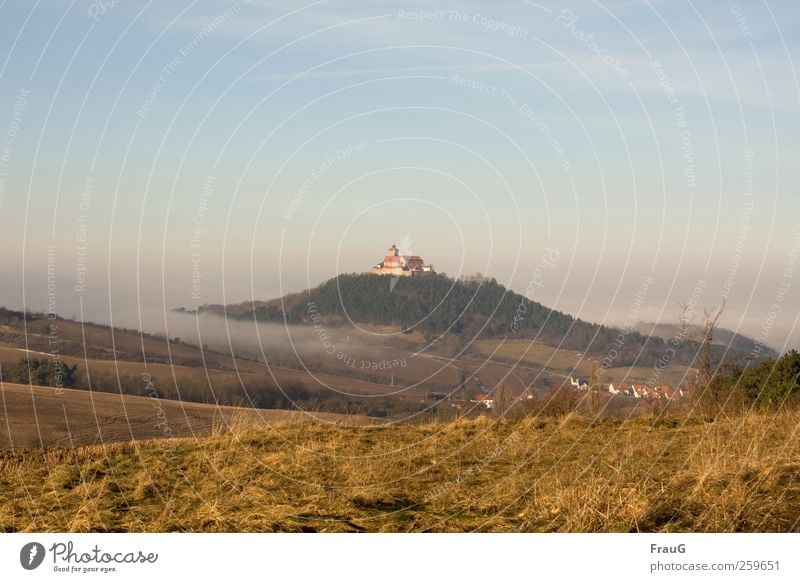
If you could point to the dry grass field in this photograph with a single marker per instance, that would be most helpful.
(170, 377)
(78, 460)
(36, 416)
(531, 474)
(373, 369)
(562, 362)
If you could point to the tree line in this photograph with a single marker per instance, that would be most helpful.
(735, 386)
(41, 372)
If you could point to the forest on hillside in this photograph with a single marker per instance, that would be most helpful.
(471, 308)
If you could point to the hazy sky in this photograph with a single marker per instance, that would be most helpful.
(176, 153)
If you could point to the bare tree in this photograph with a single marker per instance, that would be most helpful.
(595, 387)
(708, 391)
(503, 398)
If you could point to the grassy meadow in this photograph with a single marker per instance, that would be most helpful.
(531, 474)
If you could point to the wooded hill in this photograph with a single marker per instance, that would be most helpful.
(469, 307)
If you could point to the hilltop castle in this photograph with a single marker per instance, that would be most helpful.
(401, 265)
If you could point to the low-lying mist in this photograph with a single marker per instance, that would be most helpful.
(275, 343)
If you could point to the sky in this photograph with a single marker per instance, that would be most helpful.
(610, 159)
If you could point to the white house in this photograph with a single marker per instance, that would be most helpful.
(578, 384)
(484, 399)
(617, 388)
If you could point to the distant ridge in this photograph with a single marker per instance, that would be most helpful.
(726, 338)
(467, 307)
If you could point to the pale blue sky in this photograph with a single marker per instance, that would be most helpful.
(487, 132)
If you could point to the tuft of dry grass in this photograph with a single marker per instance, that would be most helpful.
(539, 475)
